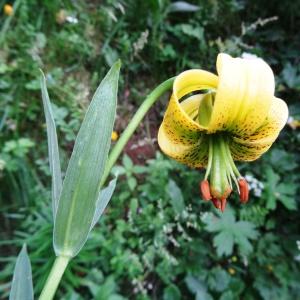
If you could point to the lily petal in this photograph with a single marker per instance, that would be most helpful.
(179, 136)
(193, 80)
(244, 95)
(194, 154)
(248, 148)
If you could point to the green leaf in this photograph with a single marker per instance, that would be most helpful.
(81, 186)
(284, 192)
(197, 287)
(127, 162)
(224, 243)
(172, 292)
(132, 183)
(21, 287)
(182, 6)
(104, 197)
(175, 194)
(218, 279)
(230, 232)
(52, 147)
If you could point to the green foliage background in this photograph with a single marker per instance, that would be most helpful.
(157, 239)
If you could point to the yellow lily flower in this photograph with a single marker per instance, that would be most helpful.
(211, 121)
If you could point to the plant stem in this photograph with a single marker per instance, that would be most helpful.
(134, 123)
(54, 277)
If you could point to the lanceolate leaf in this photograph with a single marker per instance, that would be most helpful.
(183, 6)
(21, 287)
(52, 147)
(77, 203)
(104, 197)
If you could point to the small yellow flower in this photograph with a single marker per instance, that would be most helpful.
(234, 259)
(114, 136)
(211, 121)
(8, 9)
(231, 271)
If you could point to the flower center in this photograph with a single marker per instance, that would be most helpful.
(221, 172)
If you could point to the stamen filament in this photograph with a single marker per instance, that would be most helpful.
(230, 166)
(210, 158)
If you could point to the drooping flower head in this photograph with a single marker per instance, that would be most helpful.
(211, 121)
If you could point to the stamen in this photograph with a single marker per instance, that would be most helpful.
(205, 190)
(223, 204)
(244, 190)
(216, 202)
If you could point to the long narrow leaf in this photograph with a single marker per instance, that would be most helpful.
(104, 197)
(52, 147)
(77, 203)
(21, 287)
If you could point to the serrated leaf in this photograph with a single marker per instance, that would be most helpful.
(52, 147)
(230, 232)
(283, 192)
(81, 186)
(104, 197)
(21, 287)
(224, 243)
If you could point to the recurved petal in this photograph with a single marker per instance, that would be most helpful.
(180, 136)
(193, 80)
(193, 154)
(251, 147)
(244, 95)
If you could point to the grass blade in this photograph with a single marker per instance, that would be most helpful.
(21, 287)
(52, 147)
(104, 197)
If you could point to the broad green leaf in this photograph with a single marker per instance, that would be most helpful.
(127, 162)
(197, 287)
(81, 186)
(52, 146)
(218, 279)
(223, 242)
(230, 232)
(21, 287)
(283, 192)
(172, 292)
(175, 194)
(104, 197)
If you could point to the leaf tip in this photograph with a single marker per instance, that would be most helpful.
(118, 64)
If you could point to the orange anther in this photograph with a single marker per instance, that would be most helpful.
(205, 190)
(223, 204)
(244, 190)
(217, 203)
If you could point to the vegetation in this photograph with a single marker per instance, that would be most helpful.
(157, 238)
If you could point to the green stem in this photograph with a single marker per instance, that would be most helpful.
(134, 123)
(54, 277)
